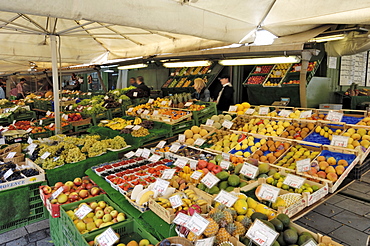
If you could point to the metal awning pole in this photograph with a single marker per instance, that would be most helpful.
(54, 62)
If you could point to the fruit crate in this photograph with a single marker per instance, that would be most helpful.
(316, 137)
(362, 155)
(138, 101)
(81, 122)
(45, 134)
(200, 115)
(115, 112)
(81, 128)
(128, 231)
(37, 211)
(25, 116)
(5, 121)
(68, 228)
(181, 127)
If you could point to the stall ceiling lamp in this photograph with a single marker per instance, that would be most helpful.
(327, 38)
(141, 65)
(187, 64)
(258, 61)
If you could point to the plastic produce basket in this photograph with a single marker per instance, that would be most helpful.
(25, 116)
(210, 109)
(181, 127)
(115, 112)
(96, 118)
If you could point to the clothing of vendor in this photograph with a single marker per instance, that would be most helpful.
(201, 92)
(226, 95)
(142, 86)
(20, 93)
(133, 82)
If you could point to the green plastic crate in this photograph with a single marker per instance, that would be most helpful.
(115, 112)
(138, 101)
(210, 109)
(82, 127)
(41, 134)
(68, 228)
(130, 230)
(25, 116)
(55, 232)
(98, 117)
(181, 127)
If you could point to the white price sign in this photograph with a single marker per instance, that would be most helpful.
(285, 113)
(130, 154)
(181, 162)
(226, 198)
(263, 111)
(196, 175)
(182, 138)
(226, 156)
(210, 180)
(303, 165)
(188, 104)
(175, 201)
(261, 234)
(250, 111)
(268, 192)
(181, 219)
(56, 193)
(193, 164)
(129, 126)
(29, 130)
(145, 153)
(45, 155)
(209, 122)
(138, 152)
(11, 154)
(151, 100)
(83, 211)
(310, 242)
(65, 117)
(340, 141)
(14, 122)
(155, 112)
(48, 113)
(294, 181)
(107, 238)
(249, 170)
(175, 147)
(8, 173)
(225, 164)
(161, 185)
(205, 242)
(227, 124)
(137, 127)
(199, 141)
(134, 94)
(305, 114)
(233, 108)
(334, 116)
(130, 110)
(197, 224)
(163, 103)
(40, 122)
(154, 158)
(119, 100)
(146, 112)
(161, 144)
(168, 173)
(51, 125)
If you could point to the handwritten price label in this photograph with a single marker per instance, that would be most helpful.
(225, 164)
(182, 138)
(145, 153)
(205, 242)
(209, 122)
(340, 141)
(161, 144)
(250, 111)
(56, 193)
(197, 224)
(138, 152)
(193, 164)
(294, 181)
(154, 158)
(135, 94)
(129, 126)
(226, 198)
(161, 185)
(45, 155)
(175, 147)
(268, 192)
(83, 211)
(11, 155)
(227, 124)
(226, 156)
(146, 112)
(175, 201)
(181, 162)
(249, 170)
(263, 111)
(199, 141)
(129, 154)
(196, 175)
(303, 165)
(334, 116)
(210, 180)
(107, 238)
(151, 100)
(181, 219)
(188, 104)
(233, 108)
(130, 110)
(305, 114)
(168, 173)
(8, 173)
(285, 113)
(261, 234)
(137, 127)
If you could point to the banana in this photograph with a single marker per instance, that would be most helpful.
(193, 197)
(187, 201)
(201, 202)
(145, 197)
(189, 192)
(163, 200)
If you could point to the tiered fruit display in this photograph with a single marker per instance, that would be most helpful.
(263, 69)
(296, 153)
(323, 135)
(278, 179)
(256, 80)
(298, 130)
(247, 146)
(219, 119)
(102, 215)
(264, 126)
(297, 67)
(76, 190)
(364, 122)
(191, 135)
(270, 151)
(357, 137)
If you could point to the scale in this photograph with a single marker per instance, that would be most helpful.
(284, 101)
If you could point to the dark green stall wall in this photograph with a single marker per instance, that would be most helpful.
(153, 75)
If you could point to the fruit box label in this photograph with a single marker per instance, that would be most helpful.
(317, 195)
(294, 208)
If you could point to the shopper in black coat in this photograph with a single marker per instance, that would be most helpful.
(226, 95)
(142, 86)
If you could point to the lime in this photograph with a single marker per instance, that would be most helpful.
(277, 176)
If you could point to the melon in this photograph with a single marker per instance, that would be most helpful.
(195, 129)
(189, 141)
(215, 118)
(196, 136)
(188, 133)
(203, 132)
(48, 94)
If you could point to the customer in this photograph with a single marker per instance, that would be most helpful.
(20, 93)
(142, 86)
(201, 92)
(226, 95)
(133, 82)
(2, 93)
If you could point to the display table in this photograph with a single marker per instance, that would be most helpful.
(354, 101)
(259, 95)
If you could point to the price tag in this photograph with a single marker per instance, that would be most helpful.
(175, 147)
(209, 122)
(310, 242)
(197, 224)
(83, 211)
(285, 113)
(119, 100)
(226, 198)
(268, 192)
(8, 173)
(233, 108)
(175, 201)
(134, 94)
(70, 107)
(106, 98)
(193, 164)
(294, 181)
(303, 165)
(227, 124)
(334, 116)
(130, 110)
(14, 122)
(168, 173)
(155, 112)
(278, 73)
(181, 138)
(129, 154)
(56, 158)
(163, 103)
(146, 112)
(65, 117)
(297, 68)
(181, 162)
(199, 141)
(48, 113)
(145, 153)
(89, 93)
(161, 185)
(196, 175)
(151, 100)
(51, 125)
(137, 127)
(56, 193)
(154, 158)
(261, 234)
(129, 126)
(45, 155)
(225, 164)
(340, 141)
(263, 111)
(89, 108)
(2, 140)
(40, 122)
(107, 238)
(258, 69)
(249, 170)
(226, 156)
(205, 242)
(11, 154)
(138, 152)
(170, 103)
(305, 114)
(139, 111)
(250, 111)
(210, 180)
(161, 144)
(181, 219)
(188, 104)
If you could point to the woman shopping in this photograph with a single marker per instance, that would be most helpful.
(201, 92)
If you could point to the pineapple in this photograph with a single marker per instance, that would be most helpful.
(192, 237)
(180, 104)
(240, 229)
(246, 222)
(222, 235)
(230, 228)
(213, 210)
(226, 244)
(232, 212)
(211, 229)
(219, 218)
(228, 216)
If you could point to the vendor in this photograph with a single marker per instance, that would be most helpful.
(201, 92)
(20, 93)
(142, 86)
(133, 82)
(226, 95)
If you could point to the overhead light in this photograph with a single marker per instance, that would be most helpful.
(133, 66)
(187, 64)
(109, 66)
(327, 38)
(108, 71)
(257, 61)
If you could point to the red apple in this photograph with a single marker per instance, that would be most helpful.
(77, 181)
(95, 191)
(69, 183)
(47, 189)
(83, 193)
(66, 188)
(216, 169)
(89, 186)
(202, 164)
(85, 180)
(73, 197)
(108, 209)
(58, 184)
(210, 166)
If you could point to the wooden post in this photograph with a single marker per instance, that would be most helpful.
(101, 80)
(306, 57)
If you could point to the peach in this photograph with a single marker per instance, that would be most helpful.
(332, 177)
(312, 171)
(343, 163)
(322, 174)
(321, 158)
(330, 169)
(339, 169)
(83, 193)
(332, 161)
(323, 165)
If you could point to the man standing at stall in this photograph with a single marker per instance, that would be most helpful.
(142, 86)
(20, 93)
(133, 82)
(226, 95)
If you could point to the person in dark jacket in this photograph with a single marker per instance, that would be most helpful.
(142, 86)
(133, 82)
(226, 95)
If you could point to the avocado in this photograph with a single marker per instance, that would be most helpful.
(258, 215)
(276, 243)
(284, 219)
(245, 240)
(280, 239)
(214, 190)
(230, 189)
(242, 184)
(201, 186)
(290, 236)
(278, 224)
(303, 238)
(223, 185)
(269, 224)
(294, 229)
